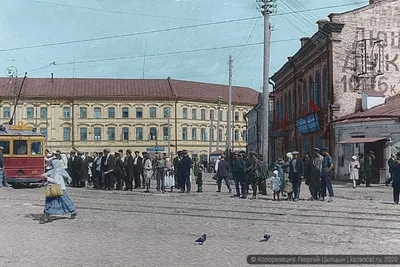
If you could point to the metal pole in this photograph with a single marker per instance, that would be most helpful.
(229, 126)
(218, 121)
(265, 107)
(211, 139)
(15, 97)
(169, 135)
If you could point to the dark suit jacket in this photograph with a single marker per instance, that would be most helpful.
(110, 163)
(138, 166)
(223, 169)
(300, 170)
(185, 165)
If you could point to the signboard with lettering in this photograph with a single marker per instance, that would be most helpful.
(302, 126)
(313, 123)
(155, 149)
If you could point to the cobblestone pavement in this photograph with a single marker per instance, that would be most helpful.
(137, 229)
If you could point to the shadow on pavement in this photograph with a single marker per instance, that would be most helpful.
(38, 216)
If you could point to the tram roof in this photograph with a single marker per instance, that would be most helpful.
(7, 130)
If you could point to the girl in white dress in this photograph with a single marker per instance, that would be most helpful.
(354, 166)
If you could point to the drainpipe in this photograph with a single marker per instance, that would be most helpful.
(272, 155)
(72, 123)
(176, 127)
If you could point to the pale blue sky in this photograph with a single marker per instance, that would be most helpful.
(36, 22)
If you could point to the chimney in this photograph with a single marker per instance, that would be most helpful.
(52, 77)
(321, 23)
(304, 40)
(370, 99)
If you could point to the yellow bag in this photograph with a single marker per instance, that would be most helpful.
(53, 190)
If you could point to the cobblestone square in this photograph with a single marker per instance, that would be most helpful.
(136, 229)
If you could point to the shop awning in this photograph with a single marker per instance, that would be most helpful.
(362, 140)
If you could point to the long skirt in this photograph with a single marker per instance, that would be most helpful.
(59, 205)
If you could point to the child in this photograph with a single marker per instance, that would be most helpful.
(276, 184)
(199, 180)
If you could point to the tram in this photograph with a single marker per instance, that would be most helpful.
(23, 155)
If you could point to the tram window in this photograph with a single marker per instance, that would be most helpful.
(6, 145)
(36, 148)
(20, 147)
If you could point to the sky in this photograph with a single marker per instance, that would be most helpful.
(182, 39)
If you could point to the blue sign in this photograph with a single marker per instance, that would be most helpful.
(155, 149)
(302, 126)
(313, 123)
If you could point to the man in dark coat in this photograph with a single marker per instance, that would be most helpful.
(72, 168)
(296, 174)
(137, 169)
(314, 182)
(369, 167)
(142, 171)
(79, 169)
(392, 162)
(396, 180)
(184, 168)
(119, 170)
(326, 175)
(107, 165)
(239, 175)
(223, 174)
(130, 170)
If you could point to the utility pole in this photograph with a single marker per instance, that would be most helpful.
(169, 135)
(266, 7)
(229, 126)
(218, 121)
(211, 138)
(11, 72)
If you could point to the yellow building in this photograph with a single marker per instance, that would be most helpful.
(92, 114)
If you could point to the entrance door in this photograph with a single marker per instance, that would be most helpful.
(379, 163)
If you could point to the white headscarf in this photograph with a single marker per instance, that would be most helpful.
(58, 169)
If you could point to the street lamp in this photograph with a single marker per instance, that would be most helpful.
(12, 72)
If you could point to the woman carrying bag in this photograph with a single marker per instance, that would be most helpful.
(57, 200)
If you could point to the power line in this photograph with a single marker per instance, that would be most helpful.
(126, 35)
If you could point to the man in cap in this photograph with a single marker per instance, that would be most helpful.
(392, 162)
(72, 169)
(137, 169)
(239, 175)
(130, 170)
(296, 174)
(119, 170)
(369, 167)
(315, 175)
(326, 176)
(107, 164)
(176, 163)
(185, 166)
(223, 174)
(2, 173)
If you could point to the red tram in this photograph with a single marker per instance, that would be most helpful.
(24, 156)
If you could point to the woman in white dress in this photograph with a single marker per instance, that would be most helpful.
(354, 166)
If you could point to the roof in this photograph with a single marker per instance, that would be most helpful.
(390, 109)
(93, 88)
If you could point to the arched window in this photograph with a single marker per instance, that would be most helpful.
(306, 145)
(305, 95)
(325, 86)
(300, 103)
(317, 89)
(319, 142)
(290, 106)
(311, 89)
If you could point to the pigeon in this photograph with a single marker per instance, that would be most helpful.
(266, 238)
(201, 240)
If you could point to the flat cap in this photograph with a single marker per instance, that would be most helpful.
(317, 149)
(324, 149)
(1, 148)
(295, 153)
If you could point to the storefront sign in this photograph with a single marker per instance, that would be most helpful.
(302, 126)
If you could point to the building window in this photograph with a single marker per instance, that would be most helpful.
(244, 135)
(184, 113)
(83, 113)
(305, 97)
(194, 134)
(194, 114)
(290, 106)
(166, 113)
(236, 116)
(67, 113)
(97, 134)
(43, 131)
(212, 115)
(153, 133)
(281, 110)
(97, 113)
(29, 113)
(43, 113)
(139, 134)
(317, 89)
(286, 109)
(311, 90)
(139, 113)
(212, 134)
(319, 143)
(165, 133)
(111, 134)
(220, 115)
(125, 134)
(236, 135)
(83, 134)
(306, 145)
(125, 113)
(220, 135)
(300, 103)
(67, 134)
(184, 134)
(6, 112)
(111, 113)
(203, 114)
(153, 113)
(326, 87)
(203, 135)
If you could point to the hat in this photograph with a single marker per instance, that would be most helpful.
(185, 152)
(317, 149)
(129, 151)
(222, 156)
(1, 148)
(371, 152)
(236, 153)
(117, 153)
(354, 157)
(136, 152)
(276, 172)
(324, 149)
(295, 153)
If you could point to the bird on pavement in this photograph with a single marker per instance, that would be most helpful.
(266, 238)
(201, 240)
